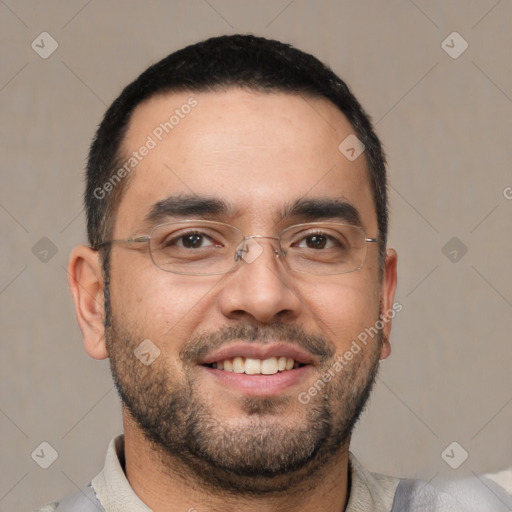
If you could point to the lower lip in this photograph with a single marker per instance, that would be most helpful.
(260, 385)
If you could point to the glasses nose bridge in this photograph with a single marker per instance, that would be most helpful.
(262, 236)
(278, 238)
(246, 250)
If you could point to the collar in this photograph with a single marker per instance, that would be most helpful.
(112, 487)
(369, 492)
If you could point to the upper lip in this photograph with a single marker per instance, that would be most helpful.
(259, 351)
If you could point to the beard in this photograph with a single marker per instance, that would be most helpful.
(276, 444)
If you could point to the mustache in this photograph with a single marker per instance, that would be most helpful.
(204, 343)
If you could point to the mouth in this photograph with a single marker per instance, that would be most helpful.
(252, 366)
(259, 370)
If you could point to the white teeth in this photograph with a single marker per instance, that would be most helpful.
(269, 366)
(238, 365)
(251, 366)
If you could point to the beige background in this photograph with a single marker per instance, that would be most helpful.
(446, 127)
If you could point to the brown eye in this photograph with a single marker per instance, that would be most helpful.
(192, 241)
(316, 241)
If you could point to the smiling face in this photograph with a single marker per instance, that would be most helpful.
(235, 351)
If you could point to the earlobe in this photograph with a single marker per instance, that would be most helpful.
(388, 289)
(85, 281)
(385, 349)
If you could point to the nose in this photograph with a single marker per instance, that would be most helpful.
(260, 288)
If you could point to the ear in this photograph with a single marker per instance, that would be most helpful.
(85, 279)
(388, 288)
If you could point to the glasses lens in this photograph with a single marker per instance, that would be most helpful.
(208, 248)
(324, 248)
(195, 247)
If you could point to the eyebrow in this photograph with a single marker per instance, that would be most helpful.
(187, 206)
(323, 208)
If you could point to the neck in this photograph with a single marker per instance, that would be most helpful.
(166, 484)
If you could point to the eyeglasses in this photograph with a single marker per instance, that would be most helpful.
(203, 248)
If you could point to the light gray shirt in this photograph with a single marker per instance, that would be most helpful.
(110, 491)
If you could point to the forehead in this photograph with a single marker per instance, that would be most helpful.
(256, 152)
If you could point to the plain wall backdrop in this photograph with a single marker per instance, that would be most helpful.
(443, 112)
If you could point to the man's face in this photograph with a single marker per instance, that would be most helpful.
(258, 154)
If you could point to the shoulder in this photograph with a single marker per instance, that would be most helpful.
(84, 500)
(382, 493)
(471, 494)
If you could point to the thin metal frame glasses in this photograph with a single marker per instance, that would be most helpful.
(202, 247)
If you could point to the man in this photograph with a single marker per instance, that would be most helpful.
(239, 281)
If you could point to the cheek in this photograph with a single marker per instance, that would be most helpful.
(343, 309)
(161, 306)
